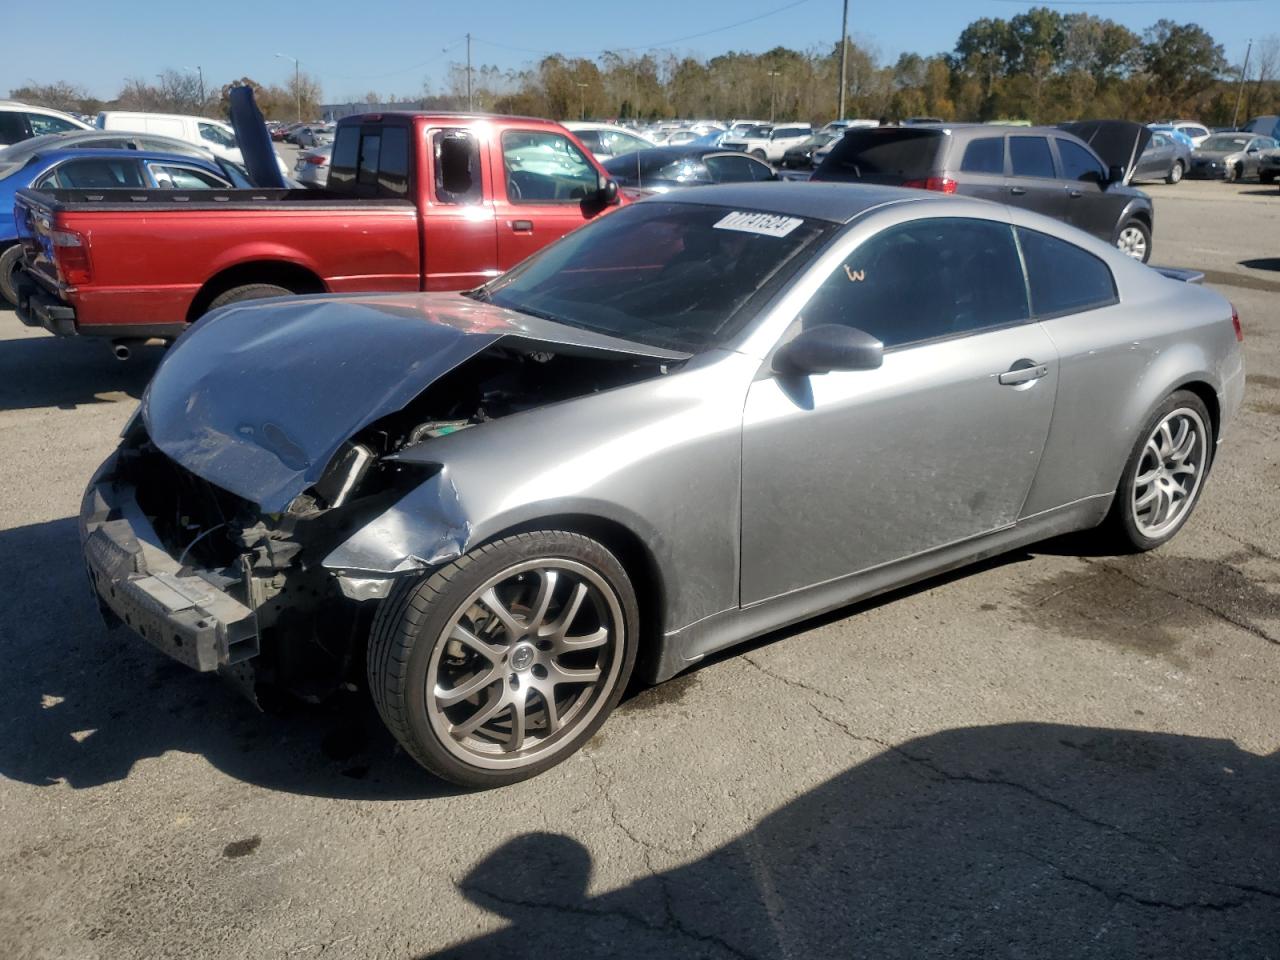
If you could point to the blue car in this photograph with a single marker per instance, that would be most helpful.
(100, 170)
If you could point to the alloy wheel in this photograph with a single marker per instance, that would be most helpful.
(1175, 175)
(1169, 473)
(1132, 242)
(528, 659)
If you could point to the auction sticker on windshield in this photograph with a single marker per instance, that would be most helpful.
(766, 224)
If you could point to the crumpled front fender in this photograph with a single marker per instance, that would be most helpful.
(431, 529)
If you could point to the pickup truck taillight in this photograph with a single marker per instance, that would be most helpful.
(71, 253)
(316, 160)
(940, 184)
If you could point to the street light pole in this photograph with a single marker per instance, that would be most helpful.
(773, 87)
(582, 101)
(469, 106)
(1235, 114)
(297, 80)
(844, 57)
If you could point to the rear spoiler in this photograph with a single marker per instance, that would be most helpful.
(1179, 273)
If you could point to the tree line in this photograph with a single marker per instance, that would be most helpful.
(1041, 66)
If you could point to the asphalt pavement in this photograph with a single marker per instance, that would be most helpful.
(1058, 753)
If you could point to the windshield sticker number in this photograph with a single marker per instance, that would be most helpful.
(765, 224)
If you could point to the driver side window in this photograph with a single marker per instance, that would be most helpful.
(544, 167)
(926, 280)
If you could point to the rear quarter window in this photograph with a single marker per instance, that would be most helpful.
(895, 154)
(1062, 278)
(370, 161)
(984, 155)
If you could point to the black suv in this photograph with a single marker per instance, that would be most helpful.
(1058, 171)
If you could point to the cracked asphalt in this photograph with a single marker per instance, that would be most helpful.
(1053, 754)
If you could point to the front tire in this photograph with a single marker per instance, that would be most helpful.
(1164, 476)
(9, 261)
(1235, 173)
(1134, 240)
(1175, 173)
(504, 662)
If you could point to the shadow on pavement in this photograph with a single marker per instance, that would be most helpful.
(1263, 263)
(48, 371)
(1023, 840)
(81, 705)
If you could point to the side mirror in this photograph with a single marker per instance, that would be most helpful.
(1115, 174)
(830, 346)
(608, 193)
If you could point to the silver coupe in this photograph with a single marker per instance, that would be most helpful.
(701, 418)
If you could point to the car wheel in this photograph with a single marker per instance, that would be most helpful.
(504, 662)
(1164, 476)
(250, 291)
(1267, 177)
(760, 155)
(1134, 240)
(1175, 173)
(1235, 173)
(9, 261)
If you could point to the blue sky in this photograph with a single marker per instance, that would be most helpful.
(392, 46)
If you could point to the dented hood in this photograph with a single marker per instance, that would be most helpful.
(258, 398)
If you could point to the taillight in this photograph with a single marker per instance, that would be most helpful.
(940, 184)
(1235, 322)
(316, 160)
(71, 253)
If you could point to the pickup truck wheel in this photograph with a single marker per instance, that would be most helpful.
(504, 662)
(9, 261)
(250, 291)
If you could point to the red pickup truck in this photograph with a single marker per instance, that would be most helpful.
(415, 202)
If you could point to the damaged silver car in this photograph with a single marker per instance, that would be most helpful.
(699, 419)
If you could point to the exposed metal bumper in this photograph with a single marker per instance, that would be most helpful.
(182, 614)
(39, 308)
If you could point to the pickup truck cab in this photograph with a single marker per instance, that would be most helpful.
(415, 201)
(770, 142)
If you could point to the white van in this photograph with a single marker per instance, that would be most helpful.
(213, 135)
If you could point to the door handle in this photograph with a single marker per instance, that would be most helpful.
(1017, 191)
(521, 226)
(1023, 374)
(1074, 194)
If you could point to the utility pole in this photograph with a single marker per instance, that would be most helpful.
(297, 80)
(844, 57)
(1235, 114)
(469, 106)
(200, 73)
(773, 88)
(582, 101)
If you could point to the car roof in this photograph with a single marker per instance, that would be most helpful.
(833, 202)
(114, 153)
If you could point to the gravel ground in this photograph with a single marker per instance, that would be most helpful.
(1051, 754)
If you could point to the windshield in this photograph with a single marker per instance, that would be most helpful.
(1225, 143)
(674, 275)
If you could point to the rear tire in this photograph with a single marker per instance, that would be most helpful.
(1175, 173)
(9, 260)
(1235, 173)
(1157, 476)
(1267, 178)
(462, 663)
(249, 291)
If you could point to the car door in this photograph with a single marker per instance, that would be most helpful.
(846, 471)
(462, 236)
(1084, 185)
(1033, 180)
(982, 169)
(1156, 160)
(1252, 154)
(544, 188)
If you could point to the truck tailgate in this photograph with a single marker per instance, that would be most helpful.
(35, 224)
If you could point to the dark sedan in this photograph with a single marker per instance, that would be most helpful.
(665, 168)
(801, 157)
